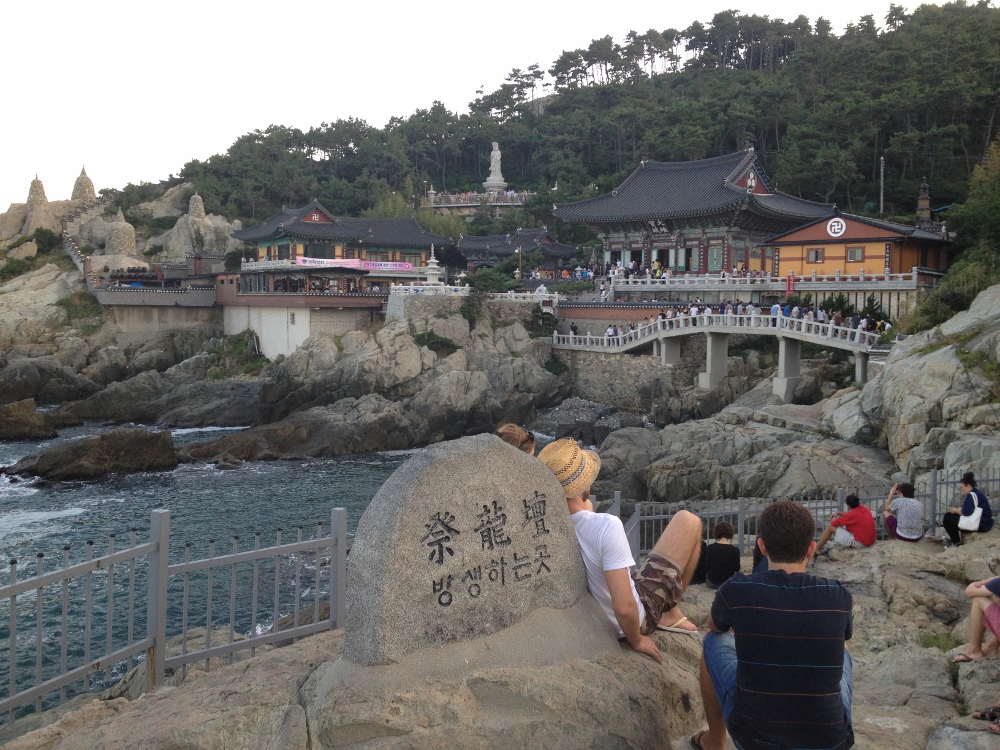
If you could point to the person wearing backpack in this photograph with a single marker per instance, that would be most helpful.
(974, 515)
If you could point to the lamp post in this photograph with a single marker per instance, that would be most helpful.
(520, 273)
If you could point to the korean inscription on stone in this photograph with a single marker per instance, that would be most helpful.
(510, 554)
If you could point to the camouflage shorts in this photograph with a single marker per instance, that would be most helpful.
(659, 586)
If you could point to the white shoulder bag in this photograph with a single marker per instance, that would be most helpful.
(971, 522)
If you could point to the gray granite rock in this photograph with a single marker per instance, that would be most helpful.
(458, 559)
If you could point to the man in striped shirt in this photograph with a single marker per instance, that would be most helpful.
(782, 677)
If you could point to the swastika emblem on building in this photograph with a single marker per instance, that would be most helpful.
(836, 227)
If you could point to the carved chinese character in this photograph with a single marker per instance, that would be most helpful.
(439, 533)
(520, 563)
(491, 528)
(534, 513)
(441, 588)
(542, 554)
(497, 572)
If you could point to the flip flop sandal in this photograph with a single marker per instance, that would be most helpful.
(963, 659)
(994, 727)
(987, 714)
(674, 629)
(695, 740)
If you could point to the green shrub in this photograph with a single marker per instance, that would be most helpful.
(541, 323)
(46, 240)
(80, 305)
(556, 367)
(491, 280)
(440, 345)
(16, 268)
(162, 223)
(471, 309)
(571, 287)
(152, 250)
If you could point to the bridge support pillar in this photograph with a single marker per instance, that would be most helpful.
(716, 361)
(670, 351)
(789, 361)
(861, 367)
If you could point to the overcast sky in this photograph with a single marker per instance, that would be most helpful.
(134, 90)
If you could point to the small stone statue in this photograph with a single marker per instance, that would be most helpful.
(495, 181)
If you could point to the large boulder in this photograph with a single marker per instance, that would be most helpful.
(124, 450)
(174, 399)
(763, 451)
(44, 379)
(21, 421)
(933, 388)
(27, 304)
(467, 538)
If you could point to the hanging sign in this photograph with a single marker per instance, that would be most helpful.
(790, 284)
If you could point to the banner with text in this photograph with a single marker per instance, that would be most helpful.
(367, 265)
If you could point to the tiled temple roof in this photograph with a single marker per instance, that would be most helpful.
(505, 245)
(677, 190)
(377, 232)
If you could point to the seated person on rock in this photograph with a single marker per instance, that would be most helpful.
(636, 603)
(722, 559)
(903, 515)
(855, 528)
(974, 515)
(781, 678)
(985, 616)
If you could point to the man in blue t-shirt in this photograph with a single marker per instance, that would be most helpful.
(782, 677)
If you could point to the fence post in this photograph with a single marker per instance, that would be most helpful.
(338, 566)
(156, 603)
(841, 495)
(934, 500)
(616, 505)
(741, 520)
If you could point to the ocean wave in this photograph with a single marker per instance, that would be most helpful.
(20, 522)
(194, 430)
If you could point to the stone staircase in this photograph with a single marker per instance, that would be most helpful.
(71, 239)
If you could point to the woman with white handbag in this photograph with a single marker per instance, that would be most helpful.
(975, 513)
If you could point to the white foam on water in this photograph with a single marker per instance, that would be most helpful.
(194, 430)
(18, 526)
(10, 490)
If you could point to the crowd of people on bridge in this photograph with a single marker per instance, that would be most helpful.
(739, 312)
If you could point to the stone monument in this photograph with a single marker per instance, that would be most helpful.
(121, 237)
(196, 207)
(470, 539)
(83, 188)
(495, 181)
(39, 213)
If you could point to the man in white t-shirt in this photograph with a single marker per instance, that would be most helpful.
(636, 603)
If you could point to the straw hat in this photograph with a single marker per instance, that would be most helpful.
(575, 468)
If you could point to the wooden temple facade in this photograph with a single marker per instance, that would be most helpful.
(309, 249)
(487, 251)
(704, 216)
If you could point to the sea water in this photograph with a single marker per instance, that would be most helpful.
(205, 503)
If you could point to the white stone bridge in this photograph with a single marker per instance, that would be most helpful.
(665, 334)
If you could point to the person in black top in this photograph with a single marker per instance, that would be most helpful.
(782, 678)
(722, 559)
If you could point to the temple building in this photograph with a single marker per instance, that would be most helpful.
(300, 247)
(853, 245)
(488, 250)
(705, 216)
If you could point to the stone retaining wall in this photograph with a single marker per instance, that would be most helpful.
(632, 381)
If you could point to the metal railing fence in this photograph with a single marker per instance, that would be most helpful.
(67, 626)
(937, 491)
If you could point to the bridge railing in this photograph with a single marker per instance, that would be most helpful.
(907, 280)
(857, 338)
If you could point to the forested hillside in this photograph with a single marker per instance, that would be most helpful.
(920, 89)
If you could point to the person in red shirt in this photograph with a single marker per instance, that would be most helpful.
(855, 528)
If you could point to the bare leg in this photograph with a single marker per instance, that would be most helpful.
(976, 628)
(715, 737)
(680, 542)
(827, 533)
